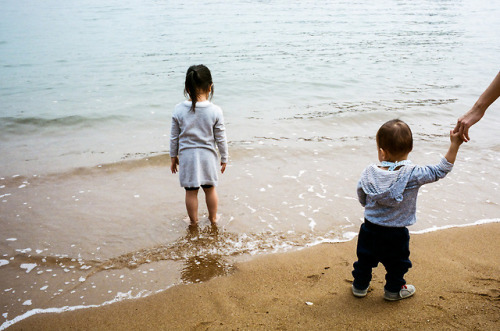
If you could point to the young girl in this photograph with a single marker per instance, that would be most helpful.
(197, 127)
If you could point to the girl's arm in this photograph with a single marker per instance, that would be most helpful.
(220, 139)
(174, 144)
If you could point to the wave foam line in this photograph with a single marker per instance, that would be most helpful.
(119, 297)
(348, 236)
(444, 227)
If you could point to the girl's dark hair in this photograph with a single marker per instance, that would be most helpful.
(395, 137)
(198, 81)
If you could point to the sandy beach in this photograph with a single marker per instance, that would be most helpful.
(456, 273)
(94, 229)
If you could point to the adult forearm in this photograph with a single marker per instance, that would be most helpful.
(489, 95)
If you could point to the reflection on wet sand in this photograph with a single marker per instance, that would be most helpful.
(202, 267)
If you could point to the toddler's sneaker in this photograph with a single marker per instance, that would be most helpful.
(405, 292)
(359, 293)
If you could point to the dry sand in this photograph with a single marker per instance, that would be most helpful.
(456, 273)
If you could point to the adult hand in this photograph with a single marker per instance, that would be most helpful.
(222, 167)
(477, 111)
(466, 121)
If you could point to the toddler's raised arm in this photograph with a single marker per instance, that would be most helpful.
(456, 141)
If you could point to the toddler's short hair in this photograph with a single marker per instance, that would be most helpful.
(395, 137)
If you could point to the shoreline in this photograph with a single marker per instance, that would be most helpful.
(300, 195)
(464, 286)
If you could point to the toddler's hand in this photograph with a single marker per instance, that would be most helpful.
(456, 138)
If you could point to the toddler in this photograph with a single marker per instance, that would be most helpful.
(389, 194)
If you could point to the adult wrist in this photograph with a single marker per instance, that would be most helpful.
(480, 107)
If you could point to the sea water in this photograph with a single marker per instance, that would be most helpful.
(88, 209)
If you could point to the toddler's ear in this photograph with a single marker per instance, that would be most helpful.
(382, 154)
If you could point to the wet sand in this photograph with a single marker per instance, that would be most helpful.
(456, 273)
(94, 235)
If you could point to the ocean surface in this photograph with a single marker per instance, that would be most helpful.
(89, 211)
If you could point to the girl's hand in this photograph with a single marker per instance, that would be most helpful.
(222, 167)
(174, 162)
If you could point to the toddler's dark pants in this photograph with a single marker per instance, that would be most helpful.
(387, 245)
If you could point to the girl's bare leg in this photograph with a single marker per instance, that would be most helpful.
(192, 206)
(212, 201)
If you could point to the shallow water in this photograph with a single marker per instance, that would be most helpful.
(88, 209)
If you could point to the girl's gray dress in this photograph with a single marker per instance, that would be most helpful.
(193, 137)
